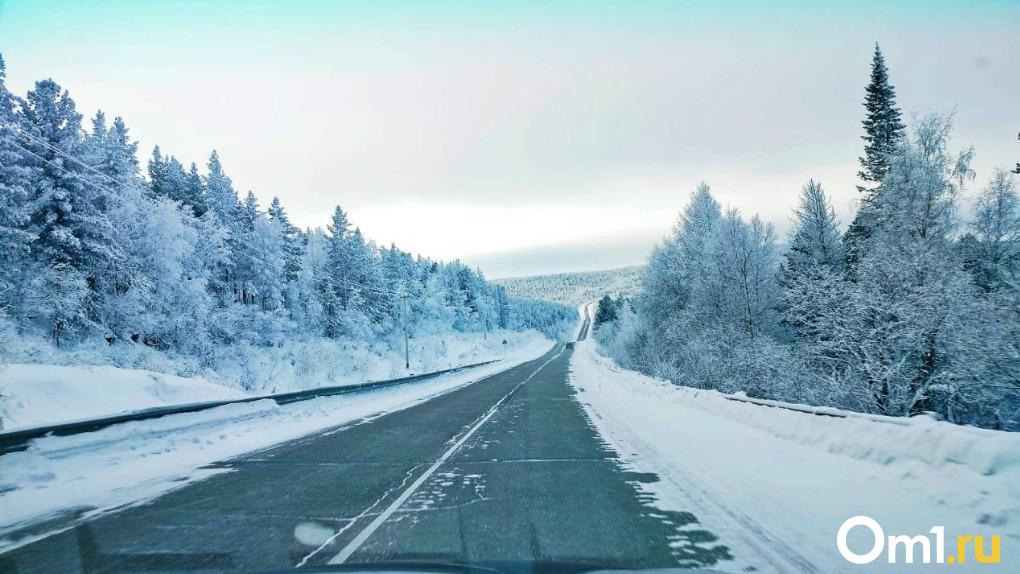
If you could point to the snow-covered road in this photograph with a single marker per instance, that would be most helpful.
(83, 475)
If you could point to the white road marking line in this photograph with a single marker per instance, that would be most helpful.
(353, 521)
(362, 536)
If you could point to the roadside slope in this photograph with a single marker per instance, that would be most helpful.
(776, 485)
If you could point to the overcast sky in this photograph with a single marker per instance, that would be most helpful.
(523, 137)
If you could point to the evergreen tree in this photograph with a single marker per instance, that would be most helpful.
(194, 192)
(883, 132)
(291, 236)
(814, 263)
(883, 129)
(335, 286)
(220, 191)
(247, 213)
(167, 178)
(15, 177)
(1017, 169)
(606, 312)
(816, 240)
(70, 216)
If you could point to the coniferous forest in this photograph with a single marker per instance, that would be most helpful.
(914, 308)
(100, 250)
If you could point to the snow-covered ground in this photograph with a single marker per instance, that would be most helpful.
(776, 485)
(132, 462)
(35, 395)
(66, 389)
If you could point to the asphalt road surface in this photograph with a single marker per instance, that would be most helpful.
(507, 468)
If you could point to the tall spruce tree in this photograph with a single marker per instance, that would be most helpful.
(815, 240)
(194, 192)
(220, 192)
(1017, 169)
(15, 212)
(291, 235)
(883, 132)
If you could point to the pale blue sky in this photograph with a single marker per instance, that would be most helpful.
(524, 137)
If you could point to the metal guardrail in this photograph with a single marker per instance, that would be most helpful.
(819, 411)
(18, 440)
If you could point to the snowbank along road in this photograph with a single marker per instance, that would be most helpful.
(507, 468)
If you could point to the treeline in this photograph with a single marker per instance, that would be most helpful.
(910, 310)
(575, 288)
(89, 247)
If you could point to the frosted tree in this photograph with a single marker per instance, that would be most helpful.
(739, 285)
(167, 178)
(268, 256)
(996, 229)
(123, 290)
(291, 237)
(680, 258)
(814, 261)
(219, 191)
(909, 326)
(335, 286)
(247, 258)
(15, 211)
(994, 261)
(815, 241)
(606, 312)
(194, 192)
(708, 314)
(91, 250)
(69, 217)
(309, 287)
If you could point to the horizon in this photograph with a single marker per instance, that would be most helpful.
(571, 138)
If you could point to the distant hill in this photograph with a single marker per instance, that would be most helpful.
(576, 288)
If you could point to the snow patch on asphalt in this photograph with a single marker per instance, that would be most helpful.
(775, 485)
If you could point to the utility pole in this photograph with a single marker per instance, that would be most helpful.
(407, 353)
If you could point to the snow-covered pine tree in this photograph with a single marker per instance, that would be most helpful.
(291, 238)
(247, 260)
(167, 177)
(815, 239)
(813, 269)
(194, 192)
(223, 207)
(219, 191)
(267, 255)
(335, 284)
(883, 131)
(124, 291)
(69, 217)
(15, 212)
(606, 312)
(908, 332)
(1017, 169)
